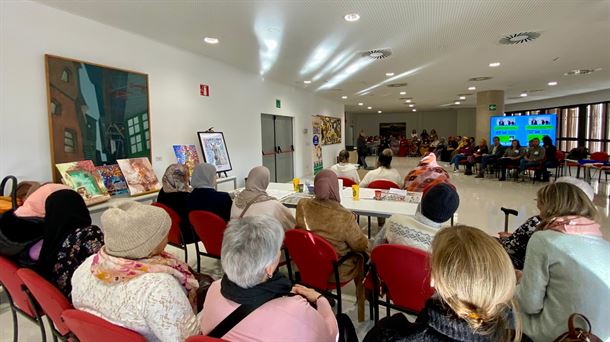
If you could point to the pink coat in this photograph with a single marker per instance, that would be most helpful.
(282, 319)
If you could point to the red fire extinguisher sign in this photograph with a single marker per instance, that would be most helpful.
(204, 90)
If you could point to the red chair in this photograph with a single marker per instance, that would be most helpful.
(383, 184)
(200, 338)
(19, 298)
(210, 229)
(90, 328)
(347, 182)
(601, 157)
(404, 272)
(316, 260)
(537, 169)
(50, 299)
(560, 157)
(175, 237)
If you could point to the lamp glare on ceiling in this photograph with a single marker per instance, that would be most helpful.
(379, 112)
(351, 17)
(494, 64)
(369, 107)
(523, 94)
(408, 101)
(344, 97)
(414, 110)
(307, 82)
(411, 105)
(403, 93)
(457, 102)
(472, 88)
(211, 40)
(360, 104)
(462, 97)
(552, 83)
(389, 74)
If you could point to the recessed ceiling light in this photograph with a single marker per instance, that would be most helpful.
(408, 101)
(344, 97)
(411, 105)
(403, 93)
(306, 82)
(379, 112)
(211, 40)
(389, 74)
(369, 107)
(457, 102)
(472, 88)
(494, 64)
(360, 104)
(414, 110)
(523, 94)
(462, 97)
(552, 83)
(352, 17)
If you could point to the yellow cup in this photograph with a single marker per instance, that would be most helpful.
(295, 183)
(356, 192)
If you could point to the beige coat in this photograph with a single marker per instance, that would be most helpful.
(271, 208)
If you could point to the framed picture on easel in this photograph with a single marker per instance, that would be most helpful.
(214, 150)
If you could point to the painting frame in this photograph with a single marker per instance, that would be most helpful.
(331, 128)
(206, 139)
(78, 140)
(83, 177)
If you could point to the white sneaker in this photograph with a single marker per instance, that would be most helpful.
(456, 171)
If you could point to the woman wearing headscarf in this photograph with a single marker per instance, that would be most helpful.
(69, 238)
(425, 175)
(325, 217)
(254, 200)
(204, 195)
(20, 229)
(174, 194)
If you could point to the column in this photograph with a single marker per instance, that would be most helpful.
(489, 103)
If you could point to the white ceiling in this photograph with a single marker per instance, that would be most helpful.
(437, 44)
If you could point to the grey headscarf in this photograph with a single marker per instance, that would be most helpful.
(204, 176)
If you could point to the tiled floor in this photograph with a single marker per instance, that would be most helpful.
(480, 202)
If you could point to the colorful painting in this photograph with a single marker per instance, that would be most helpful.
(113, 179)
(331, 130)
(316, 131)
(214, 150)
(84, 179)
(140, 177)
(187, 155)
(96, 113)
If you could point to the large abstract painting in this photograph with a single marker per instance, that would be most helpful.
(331, 130)
(96, 113)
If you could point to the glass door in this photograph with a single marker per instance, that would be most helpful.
(278, 148)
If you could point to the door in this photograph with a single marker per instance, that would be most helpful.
(278, 147)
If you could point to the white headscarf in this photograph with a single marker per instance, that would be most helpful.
(204, 176)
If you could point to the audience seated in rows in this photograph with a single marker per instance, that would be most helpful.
(495, 152)
(132, 282)
(426, 174)
(567, 266)
(204, 195)
(511, 157)
(174, 194)
(437, 206)
(384, 171)
(344, 169)
(254, 200)
(251, 251)
(475, 284)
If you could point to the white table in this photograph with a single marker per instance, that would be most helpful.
(233, 179)
(116, 200)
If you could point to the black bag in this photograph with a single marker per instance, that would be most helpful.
(578, 334)
(347, 331)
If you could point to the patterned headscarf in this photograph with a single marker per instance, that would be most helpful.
(326, 186)
(176, 179)
(427, 173)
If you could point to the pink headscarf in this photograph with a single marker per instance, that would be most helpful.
(34, 204)
(575, 225)
(326, 186)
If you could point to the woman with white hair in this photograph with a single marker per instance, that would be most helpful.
(253, 302)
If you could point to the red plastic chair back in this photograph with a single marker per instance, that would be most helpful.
(347, 182)
(560, 156)
(12, 284)
(174, 236)
(313, 255)
(210, 229)
(383, 184)
(203, 339)
(50, 299)
(599, 156)
(90, 328)
(404, 270)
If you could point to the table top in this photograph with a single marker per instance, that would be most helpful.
(118, 199)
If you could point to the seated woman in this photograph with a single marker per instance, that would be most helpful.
(512, 157)
(462, 153)
(174, 193)
(384, 170)
(204, 195)
(515, 243)
(344, 169)
(566, 266)
(254, 201)
(550, 153)
(132, 282)
(473, 300)
(425, 175)
(437, 206)
(68, 239)
(476, 156)
(324, 216)
(22, 228)
(251, 251)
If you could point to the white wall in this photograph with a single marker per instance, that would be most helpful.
(30, 30)
(591, 97)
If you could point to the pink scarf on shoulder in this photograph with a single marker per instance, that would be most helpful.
(575, 225)
(112, 270)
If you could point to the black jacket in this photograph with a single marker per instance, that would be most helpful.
(499, 151)
(210, 200)
(17, 233)
(177, 201)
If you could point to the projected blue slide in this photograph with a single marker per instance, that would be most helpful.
(523, 128)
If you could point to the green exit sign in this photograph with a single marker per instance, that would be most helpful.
(492, 107)
(278, 104)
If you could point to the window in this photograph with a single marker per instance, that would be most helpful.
(595, 126)
(55, 107)
(569, 128)
(65, 75)
(69, 141)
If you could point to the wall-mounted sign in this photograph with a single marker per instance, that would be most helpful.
(278, 103)
(204, 90)
(492, 107)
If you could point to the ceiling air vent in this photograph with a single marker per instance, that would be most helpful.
(577, 72)
(377, 53)
(478, 79)
(519, 38)
(397, 85)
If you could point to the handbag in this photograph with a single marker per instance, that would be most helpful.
(8, 202)
(578, 334)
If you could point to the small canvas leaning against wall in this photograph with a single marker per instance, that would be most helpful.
(96, 113)
(84, 178)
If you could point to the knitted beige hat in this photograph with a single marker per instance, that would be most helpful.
(133, 230)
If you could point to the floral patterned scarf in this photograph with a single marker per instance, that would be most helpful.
(112, 270)
(574, 225)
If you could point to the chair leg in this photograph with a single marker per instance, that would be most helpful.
(338, 286)
(288, 265)
(198, 257)
(369, 227)
(186, 253)
(15, 322)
